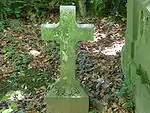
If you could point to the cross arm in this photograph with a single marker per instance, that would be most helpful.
(85, 32)
(49, 31)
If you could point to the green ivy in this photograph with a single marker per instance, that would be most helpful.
(108, 7)
(38, 9)
(28, 9)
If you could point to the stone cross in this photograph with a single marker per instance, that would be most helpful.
(67, 96)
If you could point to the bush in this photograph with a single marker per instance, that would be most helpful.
(28, 9)
(108, 7)
(34, 9)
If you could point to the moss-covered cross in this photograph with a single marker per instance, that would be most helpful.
(67, 95)
(67, 33)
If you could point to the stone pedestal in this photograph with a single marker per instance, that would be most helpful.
(67, 99)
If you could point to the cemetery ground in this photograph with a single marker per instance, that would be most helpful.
(29, 66)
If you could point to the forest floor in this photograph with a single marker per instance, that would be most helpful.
(29, 66)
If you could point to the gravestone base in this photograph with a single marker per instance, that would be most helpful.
(67, 99)
(67, 105)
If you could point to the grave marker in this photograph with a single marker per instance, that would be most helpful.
(136, 57)
(67, 96)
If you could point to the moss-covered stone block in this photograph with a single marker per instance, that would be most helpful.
(136, 56)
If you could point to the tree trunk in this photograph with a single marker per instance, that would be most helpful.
(82, 7)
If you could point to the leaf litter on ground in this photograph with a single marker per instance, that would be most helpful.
(98, 66)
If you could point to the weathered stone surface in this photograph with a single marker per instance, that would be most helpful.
(136, 56)
(67, 96)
